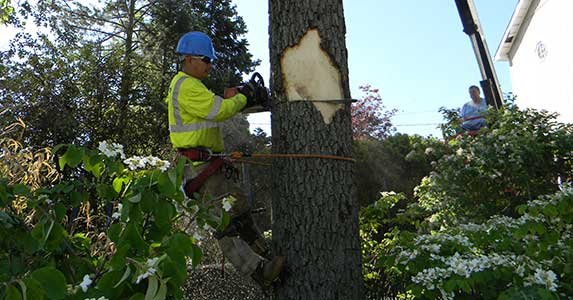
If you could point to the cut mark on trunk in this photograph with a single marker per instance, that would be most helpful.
(309, 74)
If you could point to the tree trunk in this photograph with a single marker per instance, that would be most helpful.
(126, 78)
(315, 213)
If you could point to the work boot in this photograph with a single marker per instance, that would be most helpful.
(269, 271)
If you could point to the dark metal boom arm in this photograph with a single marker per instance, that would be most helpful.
(489, 84)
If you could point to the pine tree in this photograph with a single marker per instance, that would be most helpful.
(115, 60)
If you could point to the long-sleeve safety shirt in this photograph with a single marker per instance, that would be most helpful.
(195, 113)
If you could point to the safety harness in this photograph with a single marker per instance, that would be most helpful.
(215, 164)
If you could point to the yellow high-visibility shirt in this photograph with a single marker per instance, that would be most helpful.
(195, 113)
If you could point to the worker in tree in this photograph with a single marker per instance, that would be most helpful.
(473, 111)
(195, 115)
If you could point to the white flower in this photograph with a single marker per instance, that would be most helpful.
(194, 209)
(164, 165)
(116, 215)
(140, 162)
(86, 282)
(112, 150)
(100, 298)
(103, 147)
(147, 273)
(46, 199)
(546, 278)
(207, 227)
(228, 203)
(520, 270)
(435, 248)
(152, 262)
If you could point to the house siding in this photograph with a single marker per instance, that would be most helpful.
(545, 81)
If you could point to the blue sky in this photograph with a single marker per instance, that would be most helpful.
(414, 51)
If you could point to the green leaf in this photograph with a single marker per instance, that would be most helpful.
(197, 256)
(550, 211)
(162, 293)
(181, 162)
(12, 293)
(60, 211)
(118, 260)
(42, 231)
(52, 281)
(94, 164)
(148, 201)
(34, 289)
(72, 157)
(181, 243)
(133, 237)
(539, 228)
(225, 220)
(107, 283)
(24, 289)
(21, 189)
(77, 198)
(106, 192)
(28, 244)
(163, 214)
(135, 199)
(56, 236)
(114, 232)
(165, 185)
(124, 277)
(151, 288)
(138, 296)
(119, 182)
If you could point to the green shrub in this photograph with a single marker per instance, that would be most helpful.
(481, 225)
(106, 228)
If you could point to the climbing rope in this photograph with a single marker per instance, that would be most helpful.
(238, 155)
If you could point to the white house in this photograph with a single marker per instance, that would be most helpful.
(538, 44)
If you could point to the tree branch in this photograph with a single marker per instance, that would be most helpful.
(113, 34)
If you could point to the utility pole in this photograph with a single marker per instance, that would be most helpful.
(472, 27)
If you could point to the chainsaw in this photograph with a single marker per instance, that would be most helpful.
(258, 94)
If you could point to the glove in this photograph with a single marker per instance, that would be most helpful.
(249, 92)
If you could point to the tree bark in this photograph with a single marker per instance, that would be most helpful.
(315, 212)
(126, 78)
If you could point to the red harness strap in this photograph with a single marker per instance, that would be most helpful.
(215, 164)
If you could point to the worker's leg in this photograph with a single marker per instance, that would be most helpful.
(215, 189)
(240, 247)
(241, 218)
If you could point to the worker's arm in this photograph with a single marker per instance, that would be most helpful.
(197, 100)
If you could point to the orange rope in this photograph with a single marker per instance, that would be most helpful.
(243, 161)
(237, 155)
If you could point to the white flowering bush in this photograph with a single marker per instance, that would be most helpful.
(481, 225)
(519, 157)
(507, 258)
(107, 229)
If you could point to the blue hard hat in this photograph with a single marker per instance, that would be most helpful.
(196, 43)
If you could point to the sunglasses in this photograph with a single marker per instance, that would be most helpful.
(204, 59)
